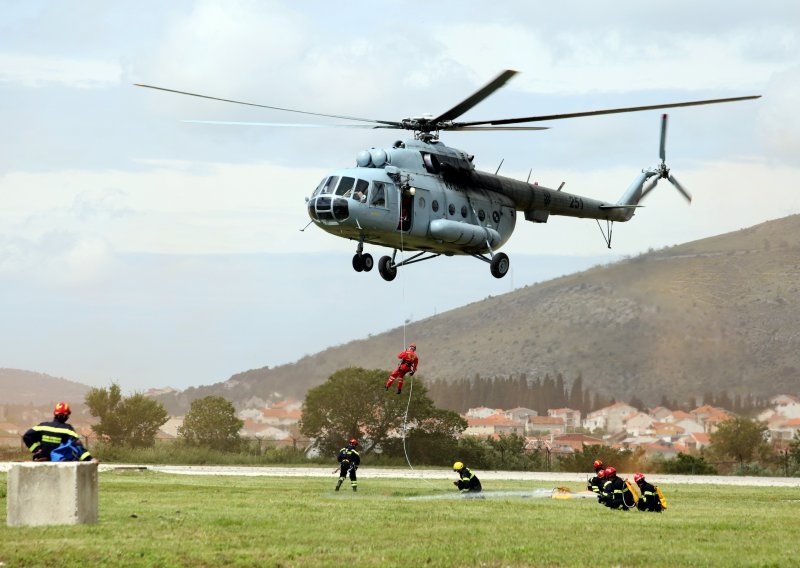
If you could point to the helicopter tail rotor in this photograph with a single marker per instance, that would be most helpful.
(662, 171)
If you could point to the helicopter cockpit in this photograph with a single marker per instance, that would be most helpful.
(331, 200)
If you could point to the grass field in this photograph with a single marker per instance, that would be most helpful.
(150, 519)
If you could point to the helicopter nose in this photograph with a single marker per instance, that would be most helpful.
(328, 209)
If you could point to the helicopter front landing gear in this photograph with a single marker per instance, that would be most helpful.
(362, 262)
(498, 265)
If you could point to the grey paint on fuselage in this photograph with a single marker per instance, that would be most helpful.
(451, 189)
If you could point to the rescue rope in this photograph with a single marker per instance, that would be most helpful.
(411, 379)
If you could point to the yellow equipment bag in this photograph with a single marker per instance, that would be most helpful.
(634, 491)
(661, 497)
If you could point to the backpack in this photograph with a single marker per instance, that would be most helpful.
(67, 451)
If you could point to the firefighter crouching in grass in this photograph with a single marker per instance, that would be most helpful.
(595, 484)
(467, 482)
(56, 435)
(616, 494)
(349, 460)
(650, 499)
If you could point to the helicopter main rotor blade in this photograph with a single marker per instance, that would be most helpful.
(476, 97)
(290, 125)
(392, 123)
(680, 188)
(482, 128)
(605, 111)
(662, 152)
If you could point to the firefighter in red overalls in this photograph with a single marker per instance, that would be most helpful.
(408, 362)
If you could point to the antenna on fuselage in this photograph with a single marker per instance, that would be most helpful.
(500, 166)
(529, 176)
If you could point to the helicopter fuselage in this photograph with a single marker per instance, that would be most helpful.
(425, 196)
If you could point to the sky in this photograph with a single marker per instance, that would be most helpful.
(140, 248)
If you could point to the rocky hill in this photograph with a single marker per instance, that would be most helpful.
(719, 314)
(27, 387)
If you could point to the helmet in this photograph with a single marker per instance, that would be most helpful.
(601, 473)
(638, 477)
(458, 466)
(413, 346)
(353, 442)
(611, 472)
(598, 464)
(62, 409)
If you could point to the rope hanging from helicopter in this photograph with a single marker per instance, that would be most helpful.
(411, 379)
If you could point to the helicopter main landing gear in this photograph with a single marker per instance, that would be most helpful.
(498, 264)
(387, 266)
(387, 269)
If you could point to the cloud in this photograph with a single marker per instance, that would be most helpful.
(39, 71)
(779, 126)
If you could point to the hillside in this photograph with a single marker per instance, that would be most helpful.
(26, 387)
(711, 315)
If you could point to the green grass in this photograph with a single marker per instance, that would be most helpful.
(149, 519)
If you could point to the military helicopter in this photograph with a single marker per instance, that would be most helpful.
(429, 199)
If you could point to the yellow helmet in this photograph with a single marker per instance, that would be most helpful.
(458, 466)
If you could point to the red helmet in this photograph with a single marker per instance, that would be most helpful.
(638, 477)
(62, 409)
(353, 442)
(598, 464)
(601, 473)
(610, 471)
(413, 346)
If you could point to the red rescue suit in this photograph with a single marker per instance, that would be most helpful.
(408, 362)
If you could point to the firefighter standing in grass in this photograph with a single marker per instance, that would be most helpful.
(649, 500)
(349, 461)
(408, 363)
(467, 482)
(596, 483)
(47, 436)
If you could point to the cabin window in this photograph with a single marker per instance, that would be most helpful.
(435, 205)
(451, 209)
(496, 216)
(481, 215)
(345, 187)
(422, 203)
(378, 197)
(464, 211)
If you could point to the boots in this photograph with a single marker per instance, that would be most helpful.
(338, 485)
(355, 488)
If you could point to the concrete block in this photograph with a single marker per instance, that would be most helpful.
(45, 493)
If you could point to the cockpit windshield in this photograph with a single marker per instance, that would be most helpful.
(343, 186)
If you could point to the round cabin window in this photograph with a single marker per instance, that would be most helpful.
(464, 211)
(482, 215)
(451, 209)
(435, 205)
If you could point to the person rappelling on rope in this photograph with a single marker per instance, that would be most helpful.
(349, 460)
(408, 364)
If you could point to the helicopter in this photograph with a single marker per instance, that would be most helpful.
(427, 198)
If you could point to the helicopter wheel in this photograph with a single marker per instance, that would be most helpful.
(358, 263)
(387, 271)
(366, 260)
(500, 265)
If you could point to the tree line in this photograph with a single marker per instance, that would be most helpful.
(543, 393)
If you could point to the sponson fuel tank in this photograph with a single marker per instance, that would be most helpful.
(463, 233)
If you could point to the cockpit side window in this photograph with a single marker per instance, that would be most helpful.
(360, 193)
(345, 188)
(329, 185)
(319, 187)
(378, 197)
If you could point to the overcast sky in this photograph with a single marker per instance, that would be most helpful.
(141, 248)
